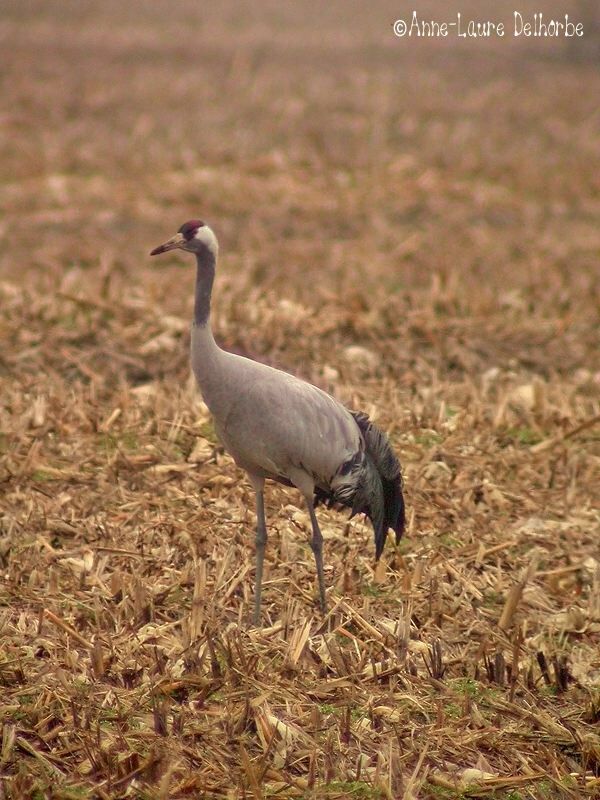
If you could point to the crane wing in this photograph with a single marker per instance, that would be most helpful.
(281, 424)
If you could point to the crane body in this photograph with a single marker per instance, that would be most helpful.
(276, 426)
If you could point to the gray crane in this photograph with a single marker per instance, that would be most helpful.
(280, 427)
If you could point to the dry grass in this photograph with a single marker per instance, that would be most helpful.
(413, 226)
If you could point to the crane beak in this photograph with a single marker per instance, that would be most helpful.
(174, 243)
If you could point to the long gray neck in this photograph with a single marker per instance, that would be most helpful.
(205, 275)
(208, 360)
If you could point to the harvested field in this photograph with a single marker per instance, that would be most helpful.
(413, 226)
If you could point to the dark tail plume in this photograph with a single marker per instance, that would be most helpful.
(377, 487)
(381, 485)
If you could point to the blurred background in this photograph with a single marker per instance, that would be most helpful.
(322, 148)
(400, 219)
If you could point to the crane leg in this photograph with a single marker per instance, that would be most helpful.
(317, 548)
(261, 541)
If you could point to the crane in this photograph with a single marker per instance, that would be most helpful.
(277, 426)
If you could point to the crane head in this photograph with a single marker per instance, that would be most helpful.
(194, 236)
